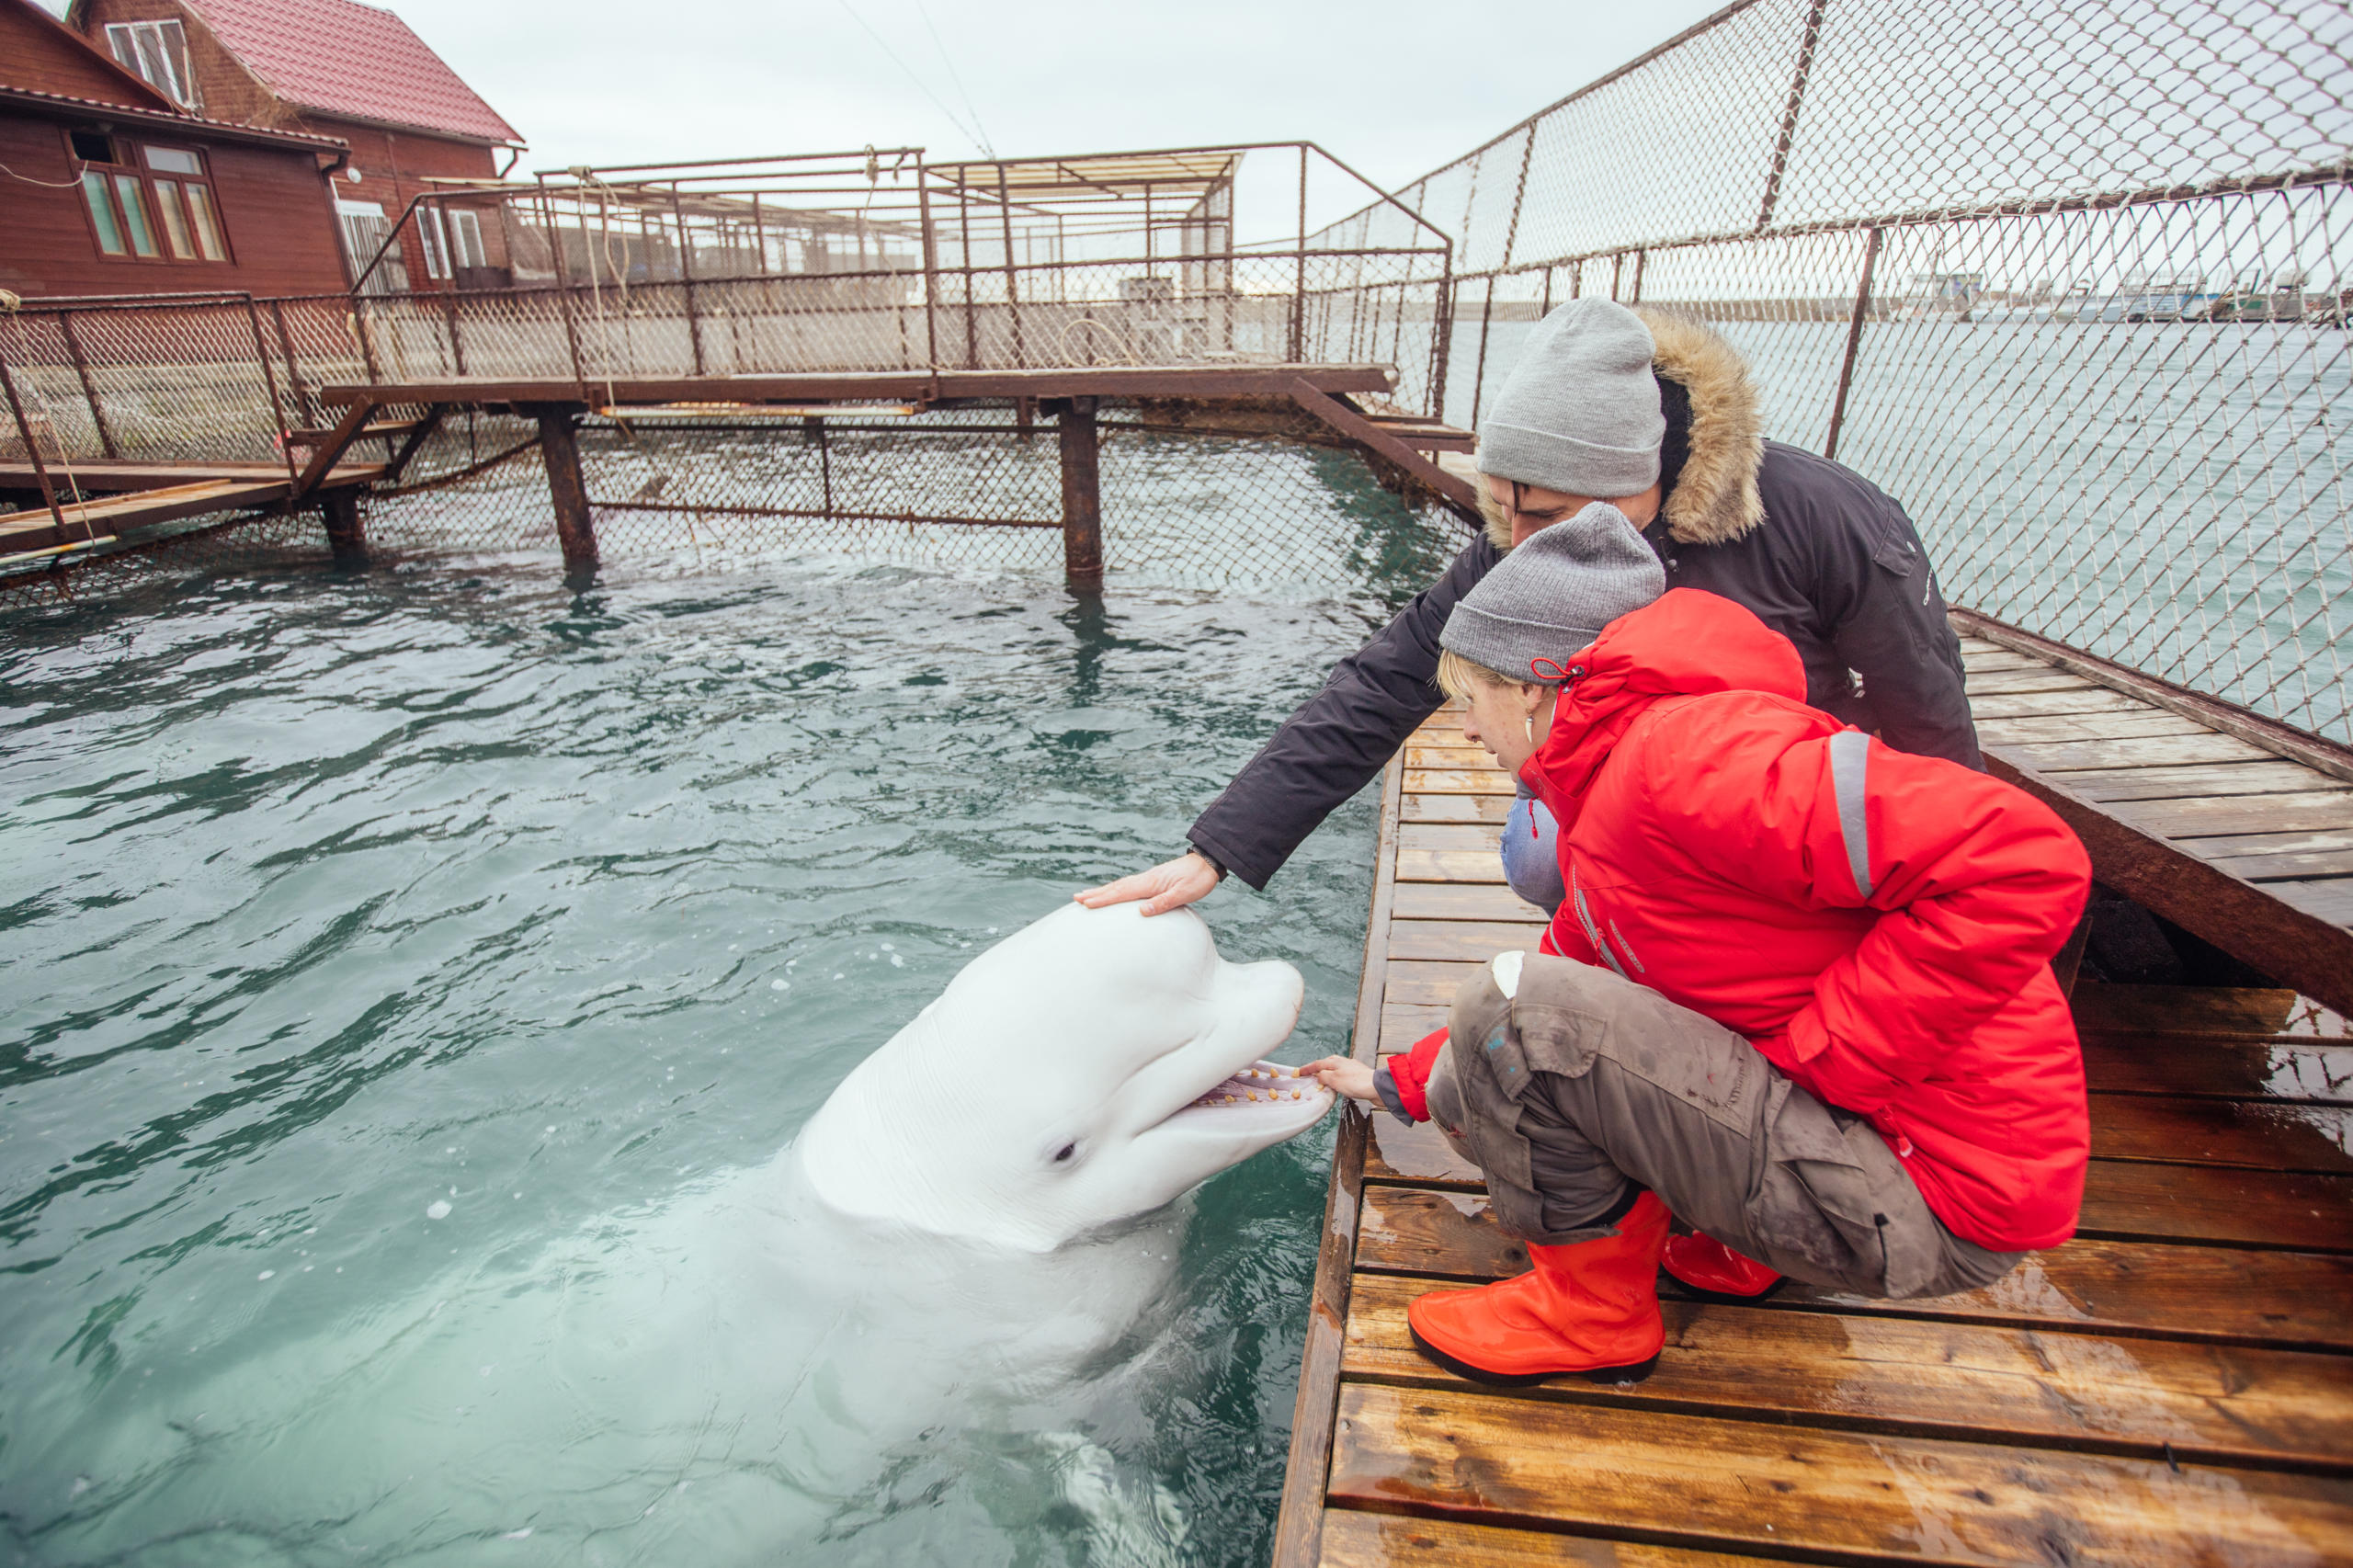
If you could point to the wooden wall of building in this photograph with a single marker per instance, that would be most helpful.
(273, 205)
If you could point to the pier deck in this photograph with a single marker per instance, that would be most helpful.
(2174, 1385)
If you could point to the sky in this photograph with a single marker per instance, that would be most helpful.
(1393, 86)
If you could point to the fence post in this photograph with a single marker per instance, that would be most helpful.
(1790, 115)
(964, 267)
(1441, 329)
(1082, 495)
(1479, 376)
(1012, 294)
(1853, 338)
(304, 404)
(931, 271)
(48, 493)
(575, 525)
(347, 537)
(89, 388)
(687, 271)
(277, 409)
(1299, 292)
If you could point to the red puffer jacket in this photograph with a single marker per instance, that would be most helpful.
(1880, 925)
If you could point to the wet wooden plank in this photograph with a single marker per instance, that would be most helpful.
(1353, 1539)
(1485, 837)
(2191, 1010)
(1980, 654)
(2196, 782)
(2308, 811)
(1460, 781)
(2135, 1200)
(2224, 1403)
(1457, 808)
(2286, 866)
(2109, 726)
(2292, 1300)
(2162, 751)
(2124, 1200)
(1703, 1480)
(2220, 1066)
(1450, 866)
(1461, 941)
(1403, 1024)
(2330, 900)
(1456, 754)
(2085, 698)
(2262, 1134)
(1993, 683)
(1425, 982)
(1477, 901)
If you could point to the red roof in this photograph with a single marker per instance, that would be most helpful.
(341, 58)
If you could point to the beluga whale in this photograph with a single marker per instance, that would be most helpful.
(969, 1251)
(1089, 1069)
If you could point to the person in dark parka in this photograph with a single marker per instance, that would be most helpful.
(1818, 553)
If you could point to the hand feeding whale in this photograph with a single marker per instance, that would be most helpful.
(1089, 1068)
(976, 1216)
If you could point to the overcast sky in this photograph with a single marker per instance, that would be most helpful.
(1394, 87)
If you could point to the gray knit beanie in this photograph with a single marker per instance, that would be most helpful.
(1579, 413)
(1554, 595)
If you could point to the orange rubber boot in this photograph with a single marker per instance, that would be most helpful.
(1712, 1271)
(1588, 1307)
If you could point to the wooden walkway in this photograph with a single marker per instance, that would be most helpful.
(2175, 1385)
(150, 494)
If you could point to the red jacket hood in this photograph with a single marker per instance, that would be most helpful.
(1683, 643)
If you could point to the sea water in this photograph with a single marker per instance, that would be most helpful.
(367, 942)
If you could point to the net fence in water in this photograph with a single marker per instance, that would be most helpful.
(2070, 281)
(980, 488)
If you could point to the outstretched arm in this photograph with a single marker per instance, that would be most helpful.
(1337, 742)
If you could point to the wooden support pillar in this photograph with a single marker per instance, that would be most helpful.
(567, 490)
(1082, 496)
(346, 536)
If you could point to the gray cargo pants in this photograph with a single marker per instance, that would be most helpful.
(1584, 1088)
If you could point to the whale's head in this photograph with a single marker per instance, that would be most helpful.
(1091, 1067)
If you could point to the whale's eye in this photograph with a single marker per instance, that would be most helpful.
(1063, 1154)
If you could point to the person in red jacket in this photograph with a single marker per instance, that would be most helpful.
(1799, 993)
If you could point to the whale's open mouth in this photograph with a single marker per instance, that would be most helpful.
(1263, 1094)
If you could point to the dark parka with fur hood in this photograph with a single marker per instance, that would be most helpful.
(1818, 553)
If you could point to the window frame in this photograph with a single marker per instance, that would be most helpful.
(466, 223)
(165, 214)
(171, 53)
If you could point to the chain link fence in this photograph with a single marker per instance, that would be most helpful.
(2070, 281)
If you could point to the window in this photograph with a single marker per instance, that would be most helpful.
(364, 231)
(156, 52)
(465, 239)
(160, 209)
(428, 229)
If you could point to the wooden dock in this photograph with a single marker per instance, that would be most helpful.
(2173, 1386)
(145, 494)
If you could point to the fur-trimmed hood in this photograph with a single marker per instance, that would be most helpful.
(1715, 428)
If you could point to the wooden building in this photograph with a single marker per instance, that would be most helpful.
(111, 187)
(351, 72)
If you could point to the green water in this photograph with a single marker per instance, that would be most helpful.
(328, 902)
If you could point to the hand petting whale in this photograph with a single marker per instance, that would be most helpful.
(1087, 1068)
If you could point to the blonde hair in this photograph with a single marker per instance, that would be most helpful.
(1455, 674)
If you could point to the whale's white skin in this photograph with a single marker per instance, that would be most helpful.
(728, 1376)
(1051, 1089)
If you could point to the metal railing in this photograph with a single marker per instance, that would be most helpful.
(2069, 281)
